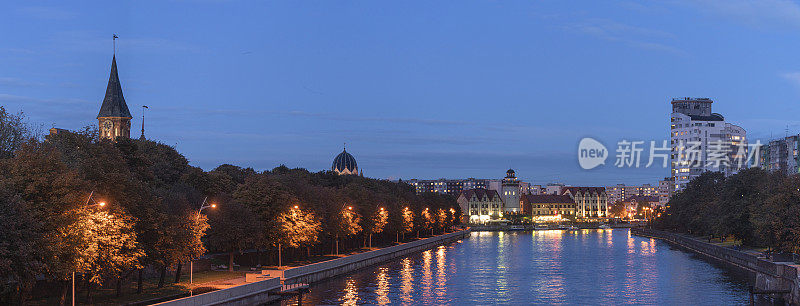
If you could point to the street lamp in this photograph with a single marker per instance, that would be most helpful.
(204, 205)
(86, 205)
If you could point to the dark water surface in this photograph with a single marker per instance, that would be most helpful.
(585, 267)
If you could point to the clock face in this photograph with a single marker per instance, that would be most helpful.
(107, 125)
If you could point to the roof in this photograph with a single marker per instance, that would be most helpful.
(637, 198)
(548, 198)
(114, 103)
(713, 117)
(344, 161)
(574, 190)
(480, 193)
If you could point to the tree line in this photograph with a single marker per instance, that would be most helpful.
(756, 207)
(106, 210)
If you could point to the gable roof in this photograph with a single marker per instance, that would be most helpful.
(114, 103)
(480, 193)
(574, 190)
(548, 198)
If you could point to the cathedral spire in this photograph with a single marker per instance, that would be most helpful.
(114, 103)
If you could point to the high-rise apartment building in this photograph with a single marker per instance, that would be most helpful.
(781, 155)
(702, 141)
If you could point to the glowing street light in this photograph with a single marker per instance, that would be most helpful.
(101, 205)
(204, 205)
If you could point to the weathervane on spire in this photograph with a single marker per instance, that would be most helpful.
(114, 42)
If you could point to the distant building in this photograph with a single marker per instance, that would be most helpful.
(447, 186)
(619, 192)
(510, 191)
(114, 117)
(692, 122)
(480, 205)
(781, 155)
(547, 205)
(553, 188)
(665, 189)
(633, 201)
(591, 202)
(344, 164)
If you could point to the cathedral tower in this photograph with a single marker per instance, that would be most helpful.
(114, 117)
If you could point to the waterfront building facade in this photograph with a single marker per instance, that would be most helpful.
(547, 205)
(694, 132)
(781, 155)
(591, 202)
(480, 205)
(510, 192)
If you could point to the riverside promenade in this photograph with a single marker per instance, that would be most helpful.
(271, 285)
(776, 279)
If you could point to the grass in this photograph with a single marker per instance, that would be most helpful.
(106, 296)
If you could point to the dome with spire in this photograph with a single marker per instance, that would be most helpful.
(344, 163)
(510, 173)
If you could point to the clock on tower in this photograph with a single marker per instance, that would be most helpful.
(114, 117)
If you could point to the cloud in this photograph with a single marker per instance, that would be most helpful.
(17, 82)
(8, 98)
(84, 41)
(638, 37)
(793, 77)
(47, 12)
(754, 12)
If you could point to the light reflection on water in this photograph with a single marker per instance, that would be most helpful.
(541, 267)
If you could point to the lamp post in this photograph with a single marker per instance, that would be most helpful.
(86, 205)
(204, 205)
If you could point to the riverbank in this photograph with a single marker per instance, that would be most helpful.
(564, 226)
(269, 284)
(779, 279)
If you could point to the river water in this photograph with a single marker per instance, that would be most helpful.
(584, 267)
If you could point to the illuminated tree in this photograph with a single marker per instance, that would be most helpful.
(100, 245)
(441, 218)
(347, 224)
(298, 228)
(426, 222)
(407, 224)
(378, 223)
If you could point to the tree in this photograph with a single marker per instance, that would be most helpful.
(102, 244)
(618, 210)
(377, 223)
(234, 228)
(20, 239)
(346, 224)
(407, 222)
(14, 131)
(298, 228)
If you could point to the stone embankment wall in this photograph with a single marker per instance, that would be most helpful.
(765, 275)
(264, 291)
(315, 272)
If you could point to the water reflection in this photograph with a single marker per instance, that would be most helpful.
(408, 280)
(541, 267)
(383, 286)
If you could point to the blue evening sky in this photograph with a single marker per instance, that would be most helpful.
(417, 89)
